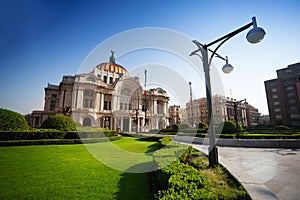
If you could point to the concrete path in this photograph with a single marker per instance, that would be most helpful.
(265, 173)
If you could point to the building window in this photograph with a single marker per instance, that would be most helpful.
(295, 116)
(278, 116)
(274, 90)
(53, 95)
(294, 108)
(292, 101)
(87, 122)
(106, 105)
(275, 103)
(277, 110)
(88, 99)
(290, 87)
(274, 96)
(52, 105)
(273, 83)
(111, 80)
(105, 79)
(291, 94)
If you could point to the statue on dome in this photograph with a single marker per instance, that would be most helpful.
(112, 57)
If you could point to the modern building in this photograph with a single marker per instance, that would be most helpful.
(224, 108)
(107, 97)
(283, 96)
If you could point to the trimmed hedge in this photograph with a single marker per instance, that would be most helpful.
(176, 179)
(10, 120)
(59, 122)
(57, 141)
(37, 134)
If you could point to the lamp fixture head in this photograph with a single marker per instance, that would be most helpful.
(227, 68)
(256, 34)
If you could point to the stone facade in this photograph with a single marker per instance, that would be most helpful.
(223, 109)
(106, 97)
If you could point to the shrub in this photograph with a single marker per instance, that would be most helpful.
(202, 125)
(10, 120)
(165, 141)
(175, 127)
(59, 122)
(227, 127)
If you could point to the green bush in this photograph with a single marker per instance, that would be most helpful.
(10, 120)
(165, 141)
(227, 127)
(59, 122)
(202, 125)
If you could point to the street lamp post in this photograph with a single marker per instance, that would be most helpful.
(255, 35)
(235, 105)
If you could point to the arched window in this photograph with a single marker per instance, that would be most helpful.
(87, 122)
(90, 79)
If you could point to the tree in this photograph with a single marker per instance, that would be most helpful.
(227, 127)
(12, 121)
(59, 122)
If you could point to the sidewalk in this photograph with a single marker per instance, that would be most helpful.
(264, 173)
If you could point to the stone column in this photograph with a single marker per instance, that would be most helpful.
(97, 102)
(155, 106)
(102, 101)
(80, 99)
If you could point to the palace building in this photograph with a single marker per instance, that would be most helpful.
(106, 97)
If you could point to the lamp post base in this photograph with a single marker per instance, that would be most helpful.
(213, 156)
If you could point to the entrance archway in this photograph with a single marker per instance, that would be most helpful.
(87, 122)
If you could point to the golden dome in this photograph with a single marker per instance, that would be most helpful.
(112, 66)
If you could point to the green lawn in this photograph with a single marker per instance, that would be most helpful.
(71, 172)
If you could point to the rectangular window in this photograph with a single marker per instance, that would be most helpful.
(52, 105)
(290, 87)
(291, 94)
(105, 107)
(53, 95)
(121, 106)
(292, 101)
(277, 110)
(111, 80)
(274, 90)
(274, 96)
(105, 79)
(275, 103)
(278, 116)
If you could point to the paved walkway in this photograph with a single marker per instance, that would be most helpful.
(265, 173)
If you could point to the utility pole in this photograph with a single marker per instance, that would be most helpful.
(145, 94)
(191, 102)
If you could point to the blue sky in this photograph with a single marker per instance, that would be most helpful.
(40, 41)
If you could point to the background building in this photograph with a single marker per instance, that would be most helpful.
(223, 109)
(175, 114)
(283, 94)
(107, 97)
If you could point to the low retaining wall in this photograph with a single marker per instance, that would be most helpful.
(255, 143)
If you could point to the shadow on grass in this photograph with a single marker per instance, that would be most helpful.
(135, 185)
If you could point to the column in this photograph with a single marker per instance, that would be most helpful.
(102, 101)
(97, 102)
(130, 124)
(79, 99)
(121, 123)
(155, 106)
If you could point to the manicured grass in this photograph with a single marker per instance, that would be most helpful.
(70, 172)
